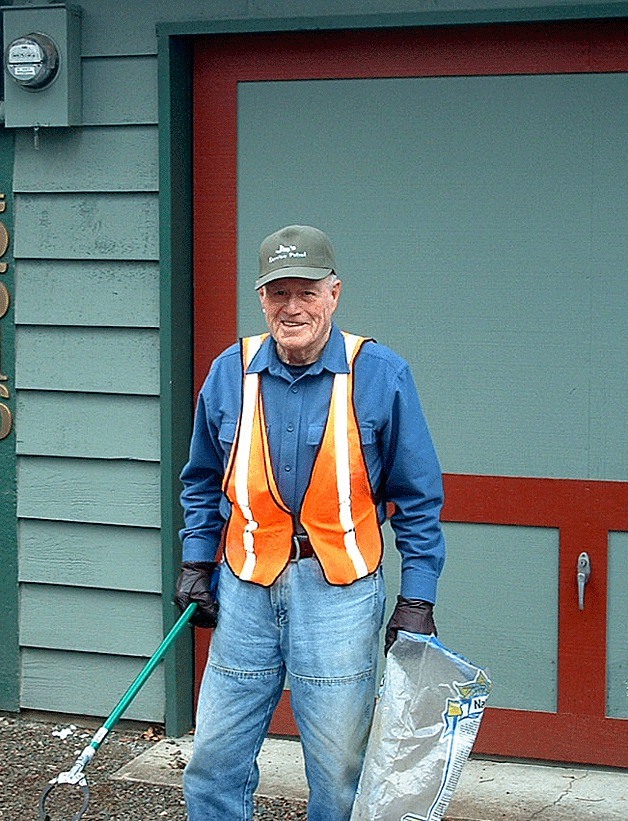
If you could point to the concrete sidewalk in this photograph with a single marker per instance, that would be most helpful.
(487, 791)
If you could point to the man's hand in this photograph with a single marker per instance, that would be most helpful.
(411, 615)
(194, 585)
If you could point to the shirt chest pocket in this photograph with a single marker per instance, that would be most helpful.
(315, 435)
(226, 436)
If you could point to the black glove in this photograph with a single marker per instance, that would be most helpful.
(194, 585)
(411, 615)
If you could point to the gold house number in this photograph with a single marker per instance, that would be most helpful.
(6, 417)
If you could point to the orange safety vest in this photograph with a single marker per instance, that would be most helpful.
(338, 513)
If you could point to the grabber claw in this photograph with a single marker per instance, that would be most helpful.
(44, 815)
(73, 778)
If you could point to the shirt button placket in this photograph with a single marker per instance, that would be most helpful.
(289, 446)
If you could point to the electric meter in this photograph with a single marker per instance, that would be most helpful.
(32, 61)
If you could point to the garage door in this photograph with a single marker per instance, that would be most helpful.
(474, 183)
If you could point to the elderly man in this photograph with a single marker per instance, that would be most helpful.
(300, 439)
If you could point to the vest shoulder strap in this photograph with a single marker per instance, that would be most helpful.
(250, 345)
(353, 345)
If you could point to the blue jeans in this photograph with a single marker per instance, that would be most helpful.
(325, 639)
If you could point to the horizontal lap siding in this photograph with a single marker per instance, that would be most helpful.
(90, 555)
(112, 28)
(87, 226)
(63, 681)
(88, 159)
(88, 417)
(119, 91)
(124, 293)
(102, 360)
(89, 490)
(75, 618)
(98, 426)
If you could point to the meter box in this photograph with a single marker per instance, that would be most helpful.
(42, 65)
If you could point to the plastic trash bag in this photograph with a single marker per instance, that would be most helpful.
(425, 722)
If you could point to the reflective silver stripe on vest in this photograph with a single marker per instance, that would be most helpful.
(243, 456)
(340, 393)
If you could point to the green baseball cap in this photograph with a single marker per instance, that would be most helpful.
(295, 251)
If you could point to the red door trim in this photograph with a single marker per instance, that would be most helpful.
(584, 512)
(222, 61)
(560, 737)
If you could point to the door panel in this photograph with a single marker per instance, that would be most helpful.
(617, 696)
(498, 604)
(473, 226)
(461, 209)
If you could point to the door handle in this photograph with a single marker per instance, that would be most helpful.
(583, 573)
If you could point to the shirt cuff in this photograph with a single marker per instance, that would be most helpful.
(416, 584)
(197, 549)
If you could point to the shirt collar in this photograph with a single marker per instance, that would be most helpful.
(333, 358)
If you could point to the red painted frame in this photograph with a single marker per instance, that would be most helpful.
(583, 511)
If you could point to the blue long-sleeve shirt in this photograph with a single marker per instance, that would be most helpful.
(401, 460)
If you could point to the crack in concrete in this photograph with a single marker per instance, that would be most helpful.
(564, 794)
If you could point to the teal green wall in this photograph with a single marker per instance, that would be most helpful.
(112, 29)
(88, 399)
(103, 316)
(9, 646)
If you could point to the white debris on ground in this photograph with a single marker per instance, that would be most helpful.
(65, 732)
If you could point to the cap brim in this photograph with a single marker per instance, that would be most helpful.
(298, 272)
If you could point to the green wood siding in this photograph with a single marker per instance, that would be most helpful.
(88, 683)
(121, 293)
(113, 29)
(75, 617)
(88, 415)
(85, 490)
(90, 555)
(87, 226)
(96, 426)
(105, 360)
(123, 30)
(88, 159)
(120, 91)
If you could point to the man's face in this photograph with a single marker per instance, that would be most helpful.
(298, 313)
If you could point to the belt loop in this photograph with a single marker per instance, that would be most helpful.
(297, 549)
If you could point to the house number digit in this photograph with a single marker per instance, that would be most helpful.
(6, 417)
(6, 421)
(4, 299)
(4, 239)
